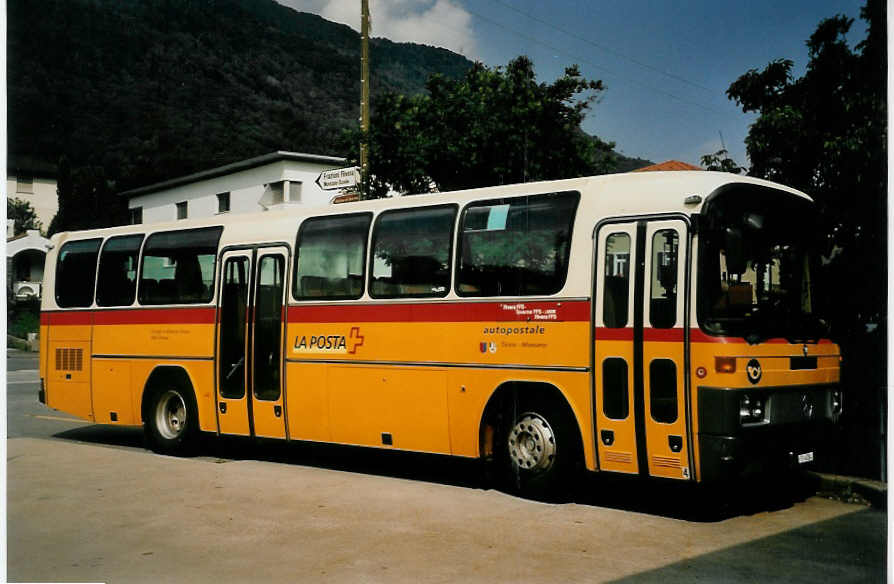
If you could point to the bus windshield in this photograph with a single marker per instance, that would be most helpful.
(755, 272)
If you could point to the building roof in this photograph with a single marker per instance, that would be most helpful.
(234, 167)
(669, 165)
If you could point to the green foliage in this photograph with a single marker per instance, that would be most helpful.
(825, 133)
(493, 126)
(720, 161)
(24, 318)
(24, 215)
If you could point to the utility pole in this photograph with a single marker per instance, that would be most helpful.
(364, 97)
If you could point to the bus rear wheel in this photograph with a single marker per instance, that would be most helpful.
(539, 450)
(171, 422)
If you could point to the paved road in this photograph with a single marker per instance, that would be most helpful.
(87, 502)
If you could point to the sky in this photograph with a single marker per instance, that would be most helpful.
(666, 64)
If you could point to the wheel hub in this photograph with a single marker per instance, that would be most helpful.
(532, 443)
(170, 415)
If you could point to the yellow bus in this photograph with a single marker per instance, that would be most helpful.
(658, 324)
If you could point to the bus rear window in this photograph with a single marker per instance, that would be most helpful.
(517, 246)
(76, 273)
(178, 266)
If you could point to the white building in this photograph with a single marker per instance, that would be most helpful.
(261, 183)
(25, 256)
(34, 182)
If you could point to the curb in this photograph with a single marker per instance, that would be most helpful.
(852, 489)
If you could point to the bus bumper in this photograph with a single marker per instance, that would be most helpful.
(729, 449)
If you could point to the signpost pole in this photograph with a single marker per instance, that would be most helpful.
(364, 96)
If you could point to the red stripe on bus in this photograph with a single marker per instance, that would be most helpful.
(649, 334)
(75, 317)
(696, 335)
(534, 312)
(204, 315)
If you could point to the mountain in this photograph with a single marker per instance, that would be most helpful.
(151, 89)
(123, 93)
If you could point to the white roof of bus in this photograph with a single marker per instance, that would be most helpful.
(602, 196)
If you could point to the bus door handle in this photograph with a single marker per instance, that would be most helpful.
(675, 443)
(223, 407)
(277, 411)
(608, 437)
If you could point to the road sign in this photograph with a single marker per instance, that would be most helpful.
(339, 178)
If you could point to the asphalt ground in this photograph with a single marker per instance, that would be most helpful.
(89, 503)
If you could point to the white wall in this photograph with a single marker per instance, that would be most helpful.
(44, 199)
(246, 188)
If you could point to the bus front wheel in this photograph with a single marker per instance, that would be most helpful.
(539, 450)
(171, 421)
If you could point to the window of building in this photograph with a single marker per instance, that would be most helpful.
(223, 202)
(411, 252)
(516, 246)
(25, 184)
(136, 216)
(178, 266)
(616, 282)
(182, 212)
(117, 279)
(330, 257)
(277, 194)
(76, 273)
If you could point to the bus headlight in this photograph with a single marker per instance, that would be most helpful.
(751, 409)
(836, 401)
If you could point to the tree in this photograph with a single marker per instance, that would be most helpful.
(493, 126)
(720, 161)
(825, 133)
(24, 215)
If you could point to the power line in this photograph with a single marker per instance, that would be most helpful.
(604, 48)
(592, 64)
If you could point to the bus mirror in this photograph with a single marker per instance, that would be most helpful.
(735, 250)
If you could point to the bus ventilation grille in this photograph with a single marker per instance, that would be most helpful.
(666, 462)
(69, 359)
(622, 457)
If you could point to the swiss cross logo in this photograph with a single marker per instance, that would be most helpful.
(355, 339)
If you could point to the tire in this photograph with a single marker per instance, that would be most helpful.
(540, 449)
(171, 421)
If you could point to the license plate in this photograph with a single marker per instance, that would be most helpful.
(805, 458)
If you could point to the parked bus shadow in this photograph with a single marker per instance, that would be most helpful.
(666, 498)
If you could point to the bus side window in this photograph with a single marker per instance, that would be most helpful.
(616, 287)
(516, 246)
(330, 258)
(117, 280)
(178, 266)
(411, 252)
(76, 273)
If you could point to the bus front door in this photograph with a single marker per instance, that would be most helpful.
(639, 354)
(249, 342)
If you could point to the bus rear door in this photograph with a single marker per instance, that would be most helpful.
(250, 400)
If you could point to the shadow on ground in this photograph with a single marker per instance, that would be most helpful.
(848, 548)
(657, 497)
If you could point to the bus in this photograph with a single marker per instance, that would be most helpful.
(659, 324)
